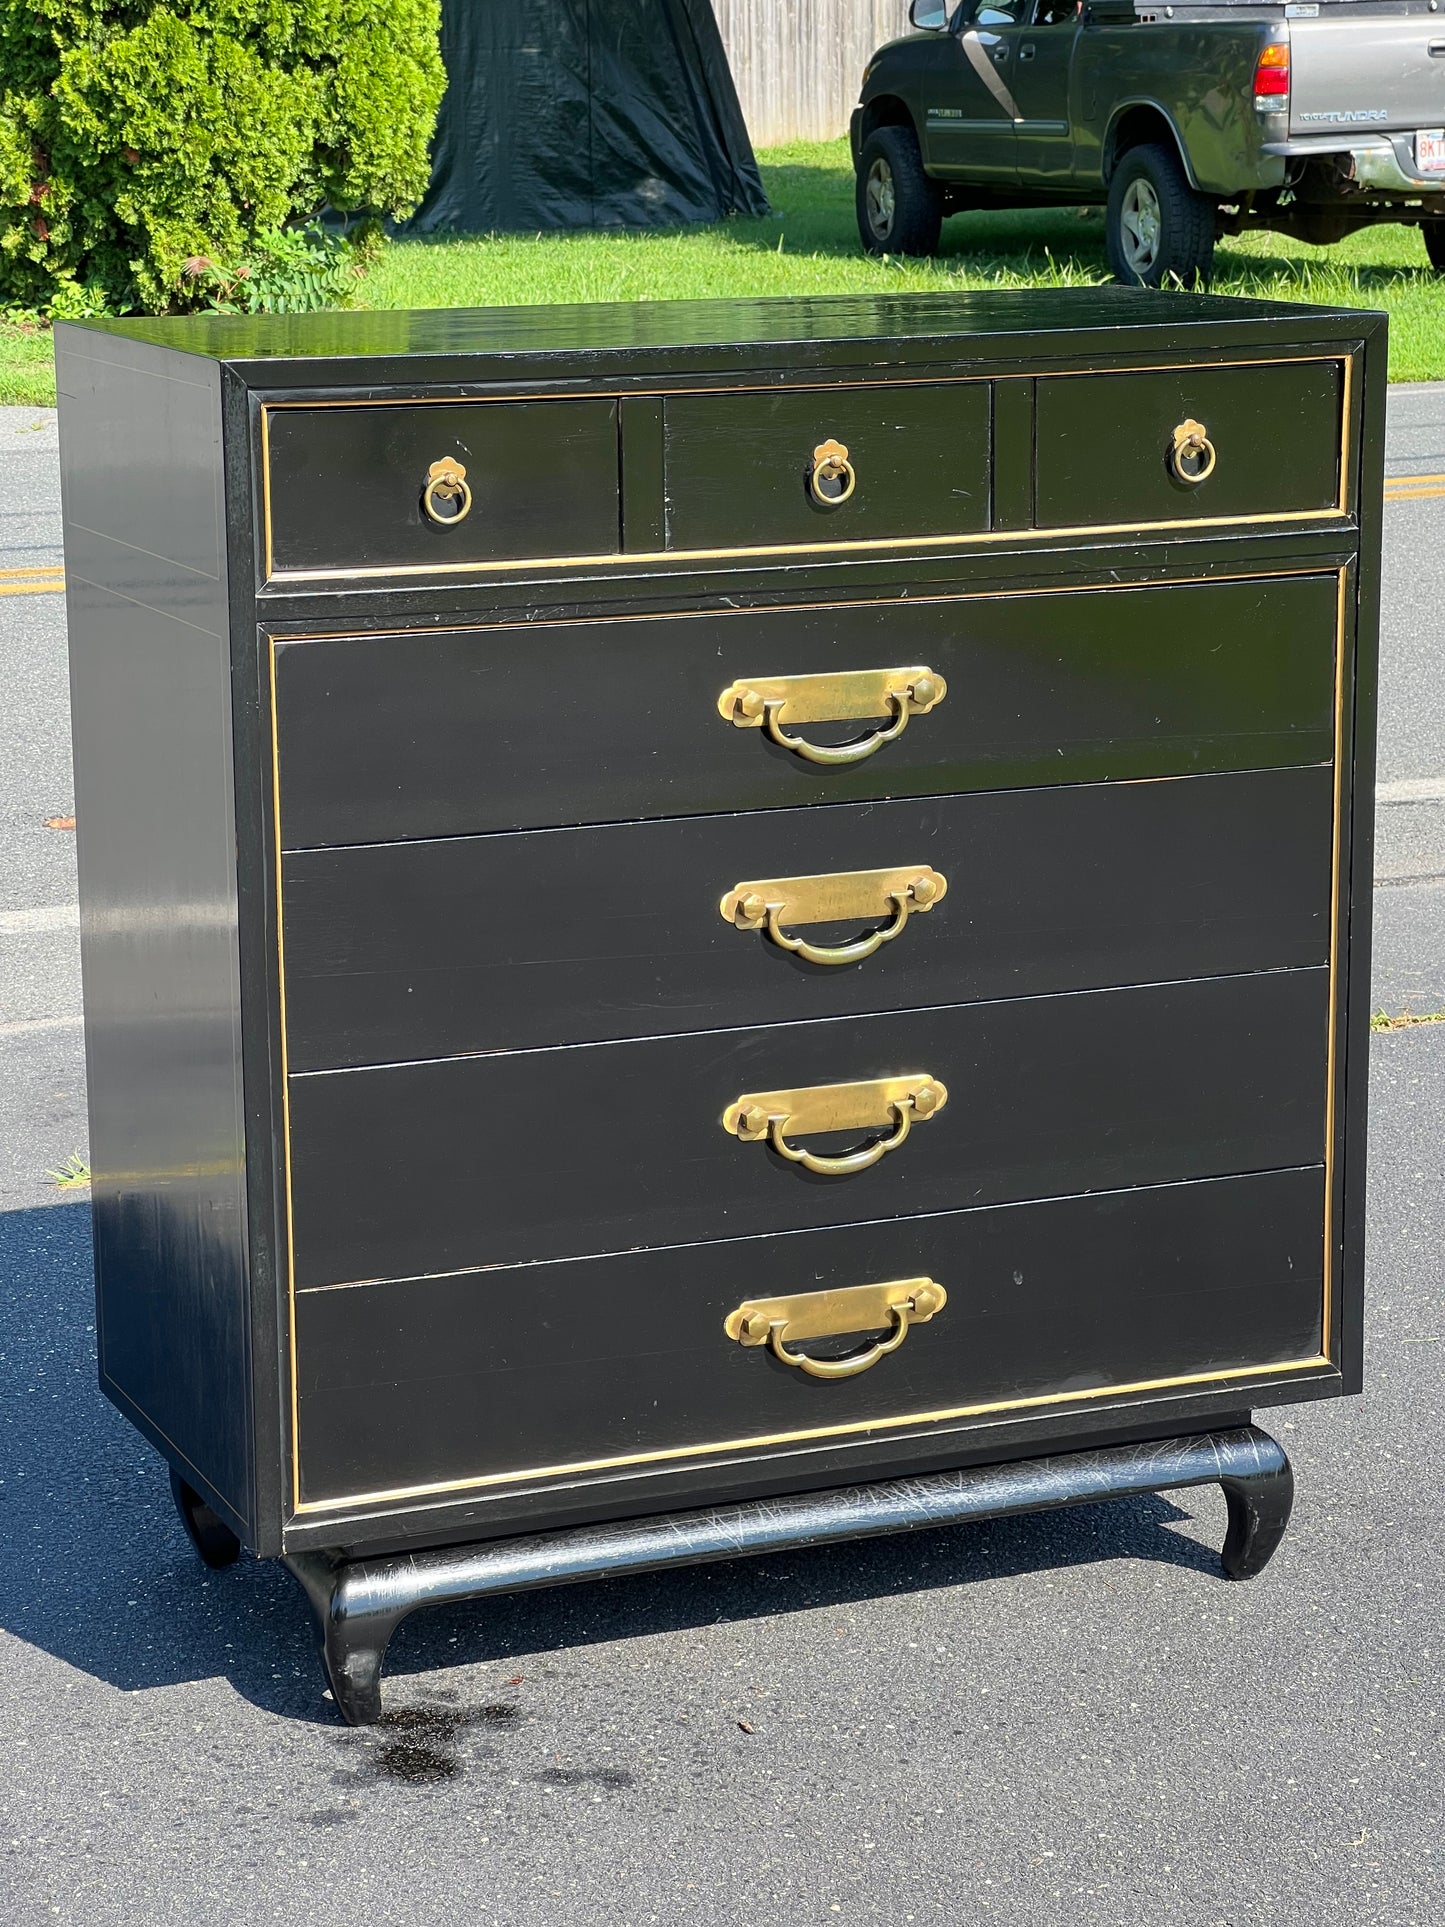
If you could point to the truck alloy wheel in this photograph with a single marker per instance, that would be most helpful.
(1159, 230)
(1139, 227)
(900, 210)
(878, 191)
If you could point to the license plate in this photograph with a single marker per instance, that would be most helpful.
(1430, 150)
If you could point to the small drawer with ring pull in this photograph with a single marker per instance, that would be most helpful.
(382, 489)
(814, 467)
(1162, 446)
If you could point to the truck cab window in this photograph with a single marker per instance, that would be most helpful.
(999, 13)
(1056, 13)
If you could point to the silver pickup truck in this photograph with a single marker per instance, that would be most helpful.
(1185, 121)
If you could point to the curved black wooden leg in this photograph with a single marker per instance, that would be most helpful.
(212, 1538)
(1259, 1498)
(352, 1631)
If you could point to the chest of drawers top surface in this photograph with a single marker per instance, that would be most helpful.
(600, 823)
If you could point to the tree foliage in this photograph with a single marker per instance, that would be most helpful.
(143, 142)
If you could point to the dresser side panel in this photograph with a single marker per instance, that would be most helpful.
(155, 809)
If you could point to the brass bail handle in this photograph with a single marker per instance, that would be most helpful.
(751, 907)
(446, 482)
(1192, 455)
(906, 693)
(831, 476)
(772, 1115)
(773, 1322)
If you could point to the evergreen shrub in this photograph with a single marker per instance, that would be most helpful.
(159, 156)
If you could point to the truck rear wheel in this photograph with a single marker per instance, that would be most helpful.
(900, 211)
(1158, 229)
(1434, 235)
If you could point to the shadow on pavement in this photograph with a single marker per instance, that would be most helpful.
(94, 1567)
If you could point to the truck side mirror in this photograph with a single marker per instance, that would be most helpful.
(930, 15)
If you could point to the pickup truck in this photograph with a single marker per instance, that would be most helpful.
(1185, 122)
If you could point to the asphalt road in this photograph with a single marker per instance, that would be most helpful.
(1062, 1719)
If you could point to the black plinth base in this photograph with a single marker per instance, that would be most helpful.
(360, 1602)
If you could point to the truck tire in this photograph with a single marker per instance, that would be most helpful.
(900, 211)
(1159, 231)
(1434, 235)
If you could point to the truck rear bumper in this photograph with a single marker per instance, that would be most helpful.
(1385, 165)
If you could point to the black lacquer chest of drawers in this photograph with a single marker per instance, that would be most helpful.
(718, 925)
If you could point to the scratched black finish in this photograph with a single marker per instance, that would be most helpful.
(516, 695)
(358, 1604)
(430, 1379)
(737, 466)
(424, 949)
(346, 483)
(1102, 443)
(391, 736)
(605, 1147)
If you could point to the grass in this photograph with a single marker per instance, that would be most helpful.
(1404, 1019)
(73, 1175)
(27, 373)
(810, 246)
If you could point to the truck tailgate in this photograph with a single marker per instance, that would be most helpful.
(1359, 74)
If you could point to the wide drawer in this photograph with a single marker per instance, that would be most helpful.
(572, 1367)
(814, 466)
(375, 486)
(537, 1154)
(1119, 448)
(388, 736)
(428, 949)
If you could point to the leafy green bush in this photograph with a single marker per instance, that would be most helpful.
(155, 154)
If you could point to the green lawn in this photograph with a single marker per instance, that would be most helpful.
(810, 246)
(27, 373)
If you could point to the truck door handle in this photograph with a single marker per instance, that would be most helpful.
(1026, 52)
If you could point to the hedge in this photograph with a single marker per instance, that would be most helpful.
(145, 148)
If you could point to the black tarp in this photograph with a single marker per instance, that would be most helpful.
(586, 113)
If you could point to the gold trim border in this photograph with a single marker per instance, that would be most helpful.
(1323, 1360)
(621, 559)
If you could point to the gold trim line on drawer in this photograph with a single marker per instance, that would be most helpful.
(270, 573)
(1324, 1359)
(761, 1442)
(894, 1307)
(776, 901)
(878, 1104)
(767, 702)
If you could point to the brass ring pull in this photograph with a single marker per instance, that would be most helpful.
(1192, 455)
(775, 1322)
(831, 476)
(775, 1115)
(446, 481)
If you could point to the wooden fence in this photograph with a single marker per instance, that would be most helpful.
(797, 63)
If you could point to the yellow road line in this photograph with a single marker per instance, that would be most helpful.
(14, 575)
(1412, 494)
(32, 588)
